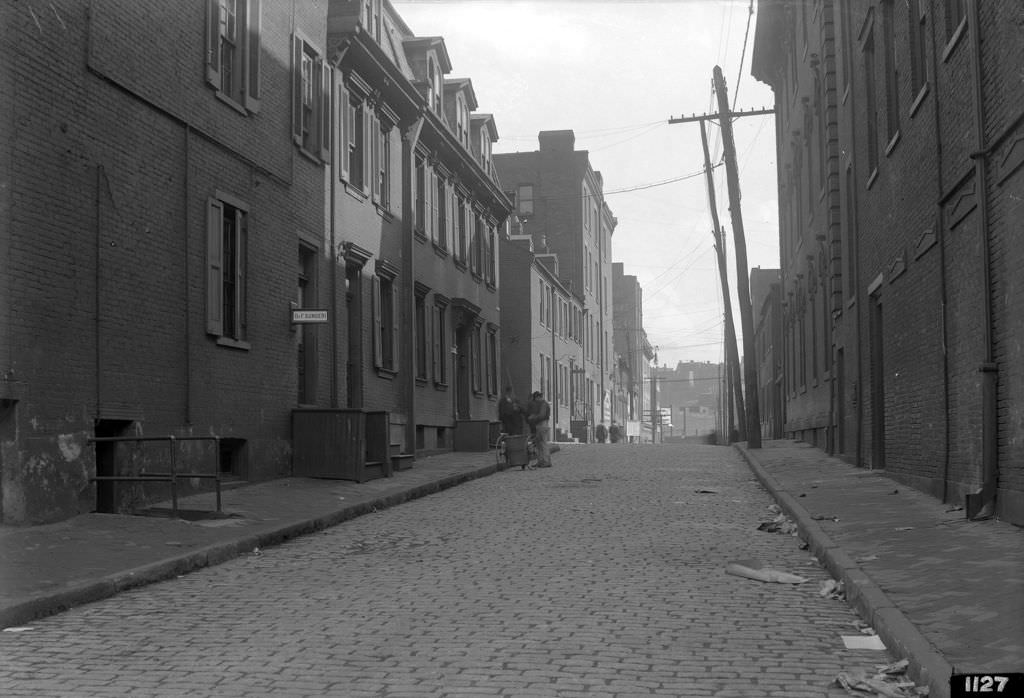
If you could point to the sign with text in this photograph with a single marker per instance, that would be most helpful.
(308, 316)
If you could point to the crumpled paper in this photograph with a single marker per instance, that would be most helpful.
(755, 569)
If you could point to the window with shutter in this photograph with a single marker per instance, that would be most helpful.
(345, 131)
(378, 335)
(233, 50)
(311, 97)
(375, 159)
(226, 236)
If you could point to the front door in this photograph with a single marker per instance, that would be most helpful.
(462, 369)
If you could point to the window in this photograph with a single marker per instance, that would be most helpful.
(434, 79)
(916, 23)
(476, 358)
(540, 285)
(382, 165)
(461, 120)
(440, 336)
(476, 246)
(356, 124)
(463, 222)
(311, 84)
(233, 50)
(385, 320)
(485, 148)
(491, 255)
(871, 104)
(226, 244)
(892, 76)
(422, 334)
(524, 199)
(422, 178)
(441, 213)
(371, 17)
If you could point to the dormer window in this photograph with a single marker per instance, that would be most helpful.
(461, 120)
(485, 149)
(434, 78)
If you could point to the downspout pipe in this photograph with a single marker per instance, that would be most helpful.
(981, 504)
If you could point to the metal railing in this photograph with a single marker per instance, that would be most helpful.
(173, 475)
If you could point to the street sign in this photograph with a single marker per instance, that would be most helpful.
(308, 316)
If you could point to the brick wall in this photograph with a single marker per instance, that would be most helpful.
(119, 147)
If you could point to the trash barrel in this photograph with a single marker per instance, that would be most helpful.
(515, 450)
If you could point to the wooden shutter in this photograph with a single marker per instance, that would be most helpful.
(241, 237)
(435, 333)
(214, 268)
(345, 128)
(367, 132)
(430, 190)
(253, 78)
(375, 154)
(395, 315)
(325, 111)
(449, 205)
(378, 349)
(213, 42)
(297, 89)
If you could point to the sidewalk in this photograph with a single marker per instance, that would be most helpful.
(49, 568)
(945, 593)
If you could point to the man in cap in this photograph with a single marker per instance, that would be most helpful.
(538, 412)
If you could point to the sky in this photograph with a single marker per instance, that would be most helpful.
(615, 72)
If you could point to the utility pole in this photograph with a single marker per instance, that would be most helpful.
(749, 416)
(731, 353)
(742, 270)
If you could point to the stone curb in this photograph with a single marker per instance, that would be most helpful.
(30, 609)
(902, 637)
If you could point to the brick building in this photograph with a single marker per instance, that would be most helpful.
(766, 302)
(158, 222)
(417, 211)
(541, 342)
(570, 218)
(634, 352)
(900, 142)
(178, 182)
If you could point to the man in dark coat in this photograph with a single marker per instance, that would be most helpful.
(600, 433)
(615, 433)
(510, 413)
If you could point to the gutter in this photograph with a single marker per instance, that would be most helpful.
(981, 504)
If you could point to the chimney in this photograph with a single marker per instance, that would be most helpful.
(557, 141)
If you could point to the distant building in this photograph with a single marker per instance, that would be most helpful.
(692, 392)
(559, 198)
(634, 351)
(541, 346)
(900, 153)
(766, 301)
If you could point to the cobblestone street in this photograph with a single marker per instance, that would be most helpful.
(602, 576)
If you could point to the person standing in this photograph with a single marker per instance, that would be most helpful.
(538, 412)
(601, 433)
(614, 433)
(510, 413)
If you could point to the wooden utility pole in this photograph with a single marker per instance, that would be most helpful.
(749, 413)
(731, 355)
(742, 271)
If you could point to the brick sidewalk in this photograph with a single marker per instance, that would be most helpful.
(47, 569)
(943, 592)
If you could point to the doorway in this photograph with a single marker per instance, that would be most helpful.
(462, 369)
(106, 461)
(354, 311)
